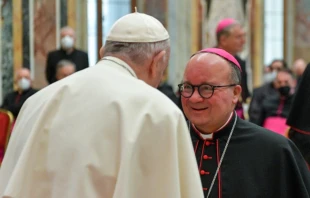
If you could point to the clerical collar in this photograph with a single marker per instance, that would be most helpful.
(120, 63)
(210, 136)
(225, 122)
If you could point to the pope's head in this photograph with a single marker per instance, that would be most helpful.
(143, 43)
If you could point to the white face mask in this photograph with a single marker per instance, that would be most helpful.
(67, 42)
(24, 84)
(269, 77)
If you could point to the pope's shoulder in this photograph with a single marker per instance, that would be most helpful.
(103, 85)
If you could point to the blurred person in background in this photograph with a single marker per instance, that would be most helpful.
(275, 108)
(269, 88)
(14, 101)
(231, 38)
(68, 51)
(64, 68)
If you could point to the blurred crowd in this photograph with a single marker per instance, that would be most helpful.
(118, 128)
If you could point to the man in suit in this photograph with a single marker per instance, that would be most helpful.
(14, 101)
(67, 52)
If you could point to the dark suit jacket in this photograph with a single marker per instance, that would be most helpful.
(78, 57)
(244, 79)
(258, 98)
(14, 101)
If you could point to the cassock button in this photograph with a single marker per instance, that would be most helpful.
(202, 172)
(208, 143)
(206, 157)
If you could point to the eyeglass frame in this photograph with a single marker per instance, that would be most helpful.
(198, 86)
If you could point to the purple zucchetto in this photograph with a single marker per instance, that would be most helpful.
(222, 53)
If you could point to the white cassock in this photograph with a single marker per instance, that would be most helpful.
(100, 132)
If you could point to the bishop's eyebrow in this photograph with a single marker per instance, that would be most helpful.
(203, 83)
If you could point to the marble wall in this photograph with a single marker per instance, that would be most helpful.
(27, 41)
(185, 21)
(7, 47)
(63, 13)
(179, 27)
(301, 46)
(157, 9)
(44, 34)
(26, 35)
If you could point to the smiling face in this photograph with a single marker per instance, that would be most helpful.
(210, 114)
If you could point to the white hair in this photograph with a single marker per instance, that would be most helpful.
(136, 52)
(65, 63)
(67, 28)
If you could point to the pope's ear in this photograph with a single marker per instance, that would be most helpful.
(157, 62)
(101, 51)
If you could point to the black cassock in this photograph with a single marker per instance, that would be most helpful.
(298, 118)
(258, 163)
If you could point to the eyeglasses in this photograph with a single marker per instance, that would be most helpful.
(205, 90)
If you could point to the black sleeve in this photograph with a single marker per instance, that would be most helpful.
(297, 173)
(255, 109)
(86, 63)
(50, 70)
(302, 141)
(244, 81)
(262, 114)
(245, 89)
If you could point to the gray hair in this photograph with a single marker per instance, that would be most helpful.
(138, 53)
(65, 63)
(235, 76)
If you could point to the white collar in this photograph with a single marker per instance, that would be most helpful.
(121, 63)
(226, 122)
(210, 135)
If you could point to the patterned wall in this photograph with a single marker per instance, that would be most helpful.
(301, 30)
(27, 41)
(44, 34)
(7, 47)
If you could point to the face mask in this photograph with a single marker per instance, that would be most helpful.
(24, 84)
(269, 77)
(67, 42)
(284, 91)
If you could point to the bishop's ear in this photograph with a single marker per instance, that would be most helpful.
(237, 93)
